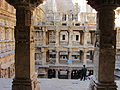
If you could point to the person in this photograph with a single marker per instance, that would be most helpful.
(83, 73)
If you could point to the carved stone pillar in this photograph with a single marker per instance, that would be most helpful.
(44, 56)
(85, 58)
(57, 36)
(70, 54)
(105, 50)
(44, 37)
(57, 56)
(25, 78)
(57, 70)
(69, 74)
(0, 71)
(70, 37)
(85, 38)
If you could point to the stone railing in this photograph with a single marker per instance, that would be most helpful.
(63, 61)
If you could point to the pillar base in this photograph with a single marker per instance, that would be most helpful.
(25, 84)
(94, 85)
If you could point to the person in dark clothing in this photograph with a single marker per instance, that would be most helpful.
(83, 73)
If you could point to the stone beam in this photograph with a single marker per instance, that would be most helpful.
(33, 3)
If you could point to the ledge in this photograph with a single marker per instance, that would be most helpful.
(6, 53)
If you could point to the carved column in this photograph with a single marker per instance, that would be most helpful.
(57, 56)
(70, 54)
(25, 78)
(85, 38)
(85, 58)
(105, 49)
(70, 37)
(69, 74)
(0, 70)
(70, 46)
(44, 52)
(44, 37)
(24, 51)
(57, 37)
(57, 70)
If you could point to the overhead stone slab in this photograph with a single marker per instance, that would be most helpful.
(34, 3)
(100, 3)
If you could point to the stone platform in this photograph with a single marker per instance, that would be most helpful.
(54, 84)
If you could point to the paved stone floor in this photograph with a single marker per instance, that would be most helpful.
(54, 84)
(63, 84)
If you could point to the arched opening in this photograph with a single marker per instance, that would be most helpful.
(51, 73)
(75, 74)
(63, 74)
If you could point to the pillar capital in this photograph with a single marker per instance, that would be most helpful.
(25, 3)
(103, 4)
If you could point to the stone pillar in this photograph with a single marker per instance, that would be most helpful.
(56, 73)
(70, 44)
(44, 56)
(24, 51)
(85, 58)
(44, 37)
(57, 37)
(69, 74)
(70, 54)
(105, 48)
(57, 56)
(70, 64)
(85, 38)
(0, 70)
(70, 37)
(25, 78)
(70, 57)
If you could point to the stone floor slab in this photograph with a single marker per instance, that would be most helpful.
(54, 84)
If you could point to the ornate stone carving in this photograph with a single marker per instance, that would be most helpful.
(96, 4)
(29, 3)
